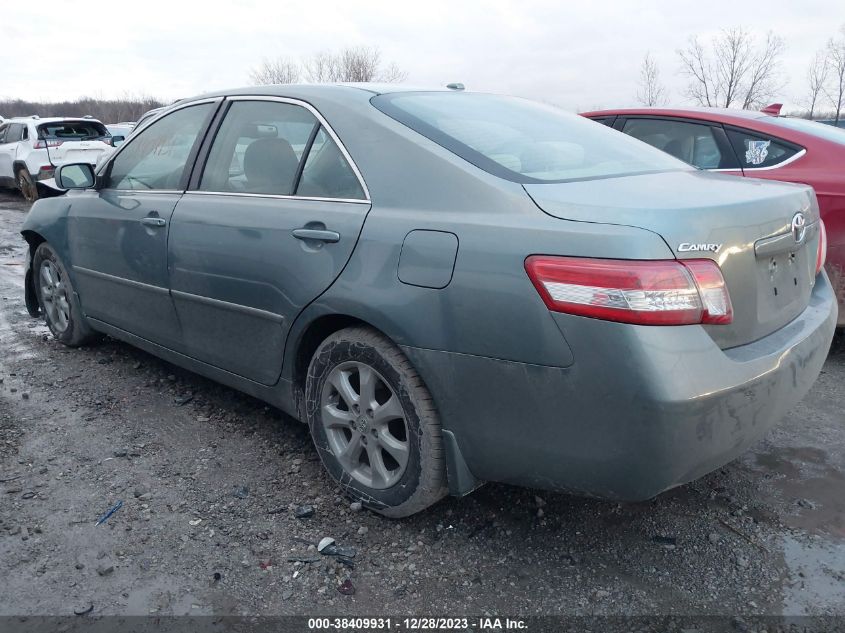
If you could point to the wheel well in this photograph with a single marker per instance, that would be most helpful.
(32, 304)
(317, 332)
(33, 239)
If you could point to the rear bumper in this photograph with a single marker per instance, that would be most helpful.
(641, 410)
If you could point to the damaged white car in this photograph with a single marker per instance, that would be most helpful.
(31, 148)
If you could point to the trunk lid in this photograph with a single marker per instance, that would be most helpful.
(745, 225)
(78, 152)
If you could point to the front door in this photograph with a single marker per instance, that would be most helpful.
(117, 235)
(269, 225)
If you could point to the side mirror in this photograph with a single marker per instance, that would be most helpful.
(75, 176)
(117, 141)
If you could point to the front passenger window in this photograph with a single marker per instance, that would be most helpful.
(156, 158)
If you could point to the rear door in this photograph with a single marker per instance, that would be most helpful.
(699, 143)
(118, 234)
(265, 228)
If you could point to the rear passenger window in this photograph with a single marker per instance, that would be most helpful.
(755, 151)
(14, 133)
(326, 173)
(693, 143)
(259, 148)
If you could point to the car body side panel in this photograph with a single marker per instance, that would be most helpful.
(660, 406)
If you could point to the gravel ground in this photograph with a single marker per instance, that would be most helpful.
(211, 479)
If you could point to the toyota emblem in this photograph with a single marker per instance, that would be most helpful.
(799, 227)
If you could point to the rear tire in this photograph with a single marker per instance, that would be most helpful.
(374, 423)
(57, 298)
(27, 185)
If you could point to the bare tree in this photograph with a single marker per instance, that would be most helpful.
(359, 63)
(736, 69)
(763, 77)
(836, 60)
(696, 64)
(650, 92)
(321, 68)
(275, 71)
(816, 79)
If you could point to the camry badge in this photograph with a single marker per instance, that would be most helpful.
(686, 247)
(799, 227)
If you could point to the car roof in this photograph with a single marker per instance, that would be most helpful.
(53, 119)
(364, 90)
(693, 113)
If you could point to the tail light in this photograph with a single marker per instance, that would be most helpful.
(45, 172)
(43, 143)
(659, 292)
(821, 255)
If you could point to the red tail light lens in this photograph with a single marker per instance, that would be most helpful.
(659, 292)
(821, 255)
(42, 144)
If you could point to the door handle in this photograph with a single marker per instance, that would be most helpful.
(153, 221)
(316, 234)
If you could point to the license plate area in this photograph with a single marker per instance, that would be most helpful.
(783, 284)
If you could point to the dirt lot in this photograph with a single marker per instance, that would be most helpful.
(210, 480)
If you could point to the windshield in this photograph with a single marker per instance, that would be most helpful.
(72, 130)
(821, 130)
(521, 140)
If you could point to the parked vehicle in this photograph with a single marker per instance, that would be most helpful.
(448, 287)
(149, 115)
(31, 148)
(119, 132)
(758, 145)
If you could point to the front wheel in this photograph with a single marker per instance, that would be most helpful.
(374, 423)
(57, 298)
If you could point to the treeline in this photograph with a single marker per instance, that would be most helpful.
(106, 110)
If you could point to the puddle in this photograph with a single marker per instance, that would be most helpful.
(816, 576)
(816, 488)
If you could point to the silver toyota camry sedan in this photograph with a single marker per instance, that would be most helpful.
(447, 287)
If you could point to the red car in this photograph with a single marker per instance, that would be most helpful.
(755, 145)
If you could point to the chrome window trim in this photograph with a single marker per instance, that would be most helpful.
(326, 126)
(128, 142)
(274, 196)
(228, 305)
(791, 159)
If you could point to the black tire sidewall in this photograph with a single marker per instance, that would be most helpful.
(76, 330)
(330, 356)
(31, 186)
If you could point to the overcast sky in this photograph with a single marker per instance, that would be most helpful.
(578, 55)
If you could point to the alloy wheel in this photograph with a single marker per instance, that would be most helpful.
(365, 425)
(54, 296)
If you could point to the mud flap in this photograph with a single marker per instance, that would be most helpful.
(461, 480)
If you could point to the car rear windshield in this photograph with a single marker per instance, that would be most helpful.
(521, 140)
(821, 130)
(72, 130)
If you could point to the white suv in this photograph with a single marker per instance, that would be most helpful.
(31, 148)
